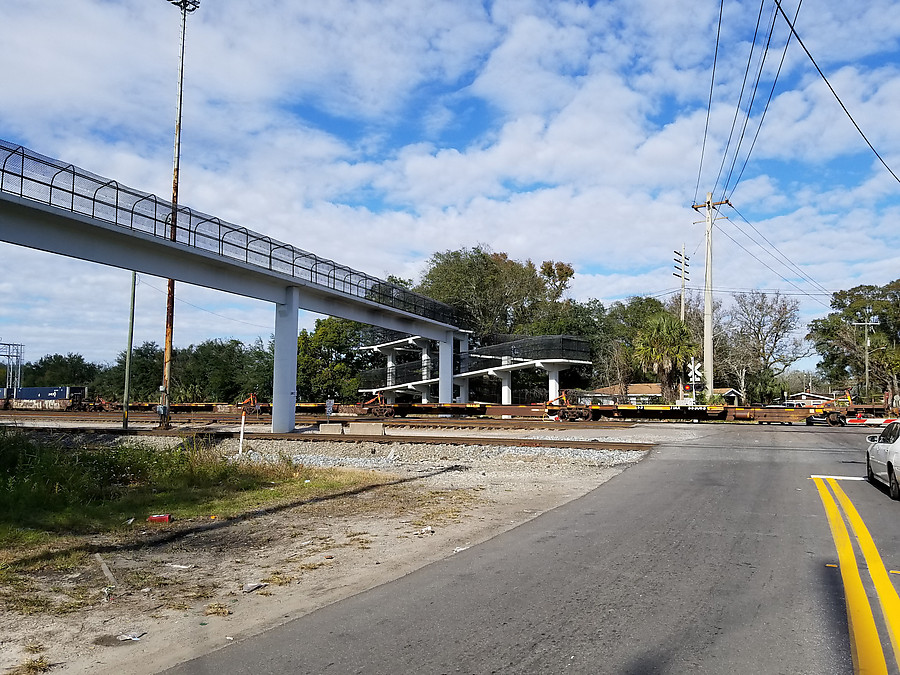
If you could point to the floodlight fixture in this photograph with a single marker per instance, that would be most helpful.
(187, 6)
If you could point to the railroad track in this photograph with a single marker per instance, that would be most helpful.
(354, 438)
(207, 418)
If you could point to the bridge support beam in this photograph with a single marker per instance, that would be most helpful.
(505, 387)
(463, 383)
(445, 369)
(424, 390)
(284, 381)
(553, 381)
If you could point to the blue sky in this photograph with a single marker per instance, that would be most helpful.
(376, 133)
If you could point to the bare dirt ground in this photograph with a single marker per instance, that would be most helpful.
(172, 601)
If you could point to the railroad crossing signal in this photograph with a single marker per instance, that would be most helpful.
(695, 371)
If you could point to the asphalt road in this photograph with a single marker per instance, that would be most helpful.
(709, 557)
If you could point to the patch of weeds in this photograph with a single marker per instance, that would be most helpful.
(25, 599)
(217, 609)
(178, 606)
(139, 578)
(34, 648)
(278, 578)
(49, 490)
(359, 539)
(309, 567)
(38, 665)
(79, 597)
(11, 579)
(444, 506)
(200, 592)
(66, 561)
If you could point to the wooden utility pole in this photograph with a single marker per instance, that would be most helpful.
(707, 295)
(682, 272)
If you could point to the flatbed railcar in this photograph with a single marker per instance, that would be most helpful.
(75, 399)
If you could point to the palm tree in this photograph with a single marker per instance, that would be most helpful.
(665, 344)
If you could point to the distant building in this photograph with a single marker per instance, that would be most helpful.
(808, 399)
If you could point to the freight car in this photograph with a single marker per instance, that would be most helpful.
(43, 398)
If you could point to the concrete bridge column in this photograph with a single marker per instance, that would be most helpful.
(284, 380)
(445, 369)
(553, 381)
(425, 347)
(463, 384)
(423, 389)
(505, 381)
(505, 387)
(391, 354)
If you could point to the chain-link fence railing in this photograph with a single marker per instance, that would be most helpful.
(32, 176)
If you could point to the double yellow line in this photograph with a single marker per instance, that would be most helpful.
(865, 645)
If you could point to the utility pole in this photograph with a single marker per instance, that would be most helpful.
(867, 323)
(707, 295)
(681, 267)
(126, 397)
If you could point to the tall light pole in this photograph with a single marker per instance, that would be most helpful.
(186, 7)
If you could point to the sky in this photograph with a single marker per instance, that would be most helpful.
(377, 133)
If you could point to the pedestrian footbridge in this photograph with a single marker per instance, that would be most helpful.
(53, 206)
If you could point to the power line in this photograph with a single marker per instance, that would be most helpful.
(737, 109)
(783, 278)
(203, 309)
(723, 290)
(790, 264)
(766, 107)
(759, 72)
(712, 82)
(834, 93)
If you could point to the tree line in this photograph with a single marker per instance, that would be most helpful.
(862, 328)
(640, 339)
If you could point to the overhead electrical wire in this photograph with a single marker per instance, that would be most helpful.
(727, 187)
(790, 264)
(752, 100)
(721, 290)
(202, 309)
(769, 267)
(834, 93)
(762, 117)
(737, 109)
(712, 82)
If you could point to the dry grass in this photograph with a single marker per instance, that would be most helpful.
(38, 665)
(217, 609)
(278, 578)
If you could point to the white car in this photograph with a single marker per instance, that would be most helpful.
(883, 458)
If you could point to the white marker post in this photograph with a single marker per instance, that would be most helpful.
(241, 441)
